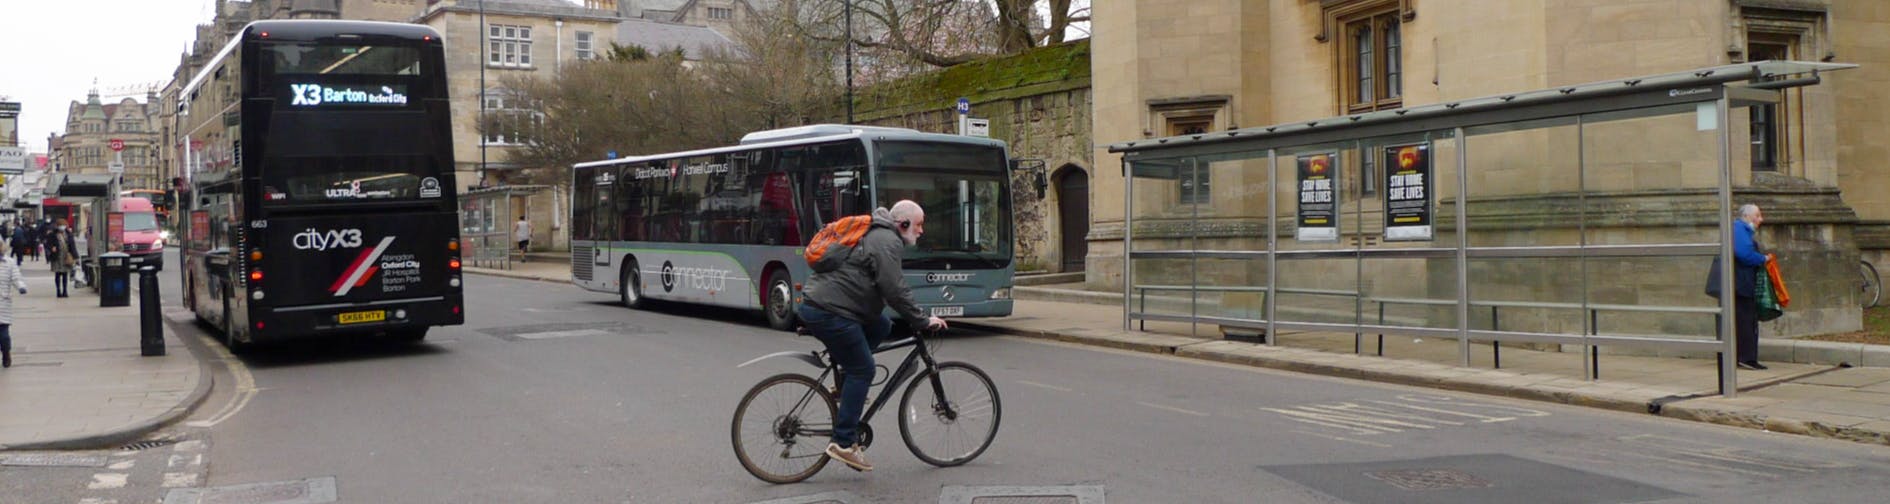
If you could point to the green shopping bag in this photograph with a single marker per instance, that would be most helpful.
(1768, 302)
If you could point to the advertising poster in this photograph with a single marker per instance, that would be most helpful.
(115, 232)
(1408, 192)
(1318, 202)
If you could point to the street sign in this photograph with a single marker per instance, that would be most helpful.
(9, 109)
(610, 155)
(964, 106)
(978, 127)
(115, 167)
(12, 160)
(118, 144)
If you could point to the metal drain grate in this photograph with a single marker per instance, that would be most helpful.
(147, 444)
(1033, 499)
(1429, 479)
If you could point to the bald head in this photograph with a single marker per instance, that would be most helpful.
(912, 218)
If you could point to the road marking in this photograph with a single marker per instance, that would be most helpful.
(1043, 385)
(179, 460)
(1345, 439)
(96, 500)
(180, 480)
(245, 385)
(104, 481)
(122, 466)
(1405, 412)
(1172, 408)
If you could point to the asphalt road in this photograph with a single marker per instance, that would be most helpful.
(554, 394)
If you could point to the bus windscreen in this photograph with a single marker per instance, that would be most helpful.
(963, 190)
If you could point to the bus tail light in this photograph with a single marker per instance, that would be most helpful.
(453, 263)
(255, 255)
(455, 309)
(259, 326)
(453, 245)
(453, 282)
(255, 275)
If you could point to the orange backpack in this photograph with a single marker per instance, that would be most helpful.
(828, 250)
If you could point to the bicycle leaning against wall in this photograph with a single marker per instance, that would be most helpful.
(948, 414)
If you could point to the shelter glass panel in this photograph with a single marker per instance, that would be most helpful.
(1407, 231)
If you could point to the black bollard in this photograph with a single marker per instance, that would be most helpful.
(151, 334)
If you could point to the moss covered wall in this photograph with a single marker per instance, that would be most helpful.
(1038, 103)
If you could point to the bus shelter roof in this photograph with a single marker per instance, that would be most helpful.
(1691, 86)
(80, 186)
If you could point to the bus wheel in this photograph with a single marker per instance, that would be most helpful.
(630, 285)
(779, 304)
(229, 329)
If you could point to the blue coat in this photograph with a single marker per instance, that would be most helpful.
(1749, 262)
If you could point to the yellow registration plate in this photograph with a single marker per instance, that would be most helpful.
(362, 316)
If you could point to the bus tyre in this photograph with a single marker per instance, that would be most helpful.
(229, 329)
(779, 301)
(630, 286)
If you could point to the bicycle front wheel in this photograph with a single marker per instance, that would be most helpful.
(782, 427)
(949, 415)
(1871, 284)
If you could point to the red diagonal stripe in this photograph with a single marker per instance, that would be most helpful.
(358, 260)
(364, 277)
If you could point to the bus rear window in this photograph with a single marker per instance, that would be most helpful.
(326, 59)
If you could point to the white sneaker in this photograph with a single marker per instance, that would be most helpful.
(853, 457)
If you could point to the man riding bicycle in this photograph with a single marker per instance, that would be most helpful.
(843, 309)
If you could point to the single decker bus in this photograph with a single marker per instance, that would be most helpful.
(727, 226)
(319, 165)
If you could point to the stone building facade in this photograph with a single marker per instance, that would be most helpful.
(1163, 69)
(1038, 103)
(91, 126)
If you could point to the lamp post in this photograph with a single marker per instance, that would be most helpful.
(484, 45)
(849, 35)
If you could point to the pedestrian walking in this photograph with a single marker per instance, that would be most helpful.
(1748, 262)
(9, 276)
(523, 233)
(22, 240)
(61, 252)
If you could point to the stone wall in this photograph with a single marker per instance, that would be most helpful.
(1038, 103)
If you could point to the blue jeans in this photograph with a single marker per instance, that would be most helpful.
(850, 344)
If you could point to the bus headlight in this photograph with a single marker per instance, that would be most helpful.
(1001, 293)
(256, 295)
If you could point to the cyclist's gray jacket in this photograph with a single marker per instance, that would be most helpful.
(871, 279)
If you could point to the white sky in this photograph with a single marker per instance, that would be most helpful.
(56, 47)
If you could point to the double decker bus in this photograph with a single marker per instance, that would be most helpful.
(318, 196)
(727, 226)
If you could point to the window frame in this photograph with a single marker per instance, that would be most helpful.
(726, 13)
(499, 108)
(585, 43)
(508, 46)
(1384, 28)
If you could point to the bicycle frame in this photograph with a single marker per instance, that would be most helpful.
(921, 355)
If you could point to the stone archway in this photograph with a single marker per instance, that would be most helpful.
(1072, 186)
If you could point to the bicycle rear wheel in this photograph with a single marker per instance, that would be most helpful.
(782, 427)
(1871, 284)
(953, 422)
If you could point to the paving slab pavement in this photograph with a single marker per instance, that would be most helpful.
(1822, 399)
(78, 380)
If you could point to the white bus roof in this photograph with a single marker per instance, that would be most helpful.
(799, 135)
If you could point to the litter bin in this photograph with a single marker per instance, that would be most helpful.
(114, 275)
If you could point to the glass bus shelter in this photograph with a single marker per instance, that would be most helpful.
(1593, 215)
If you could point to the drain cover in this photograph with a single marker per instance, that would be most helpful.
(147, 444)
(1429, 479)
(1466, 478)
(52, 460)
(1071, 494)
(835, 497)
(1024, 499)
(308, 491)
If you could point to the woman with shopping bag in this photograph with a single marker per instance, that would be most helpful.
(1748, 261)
